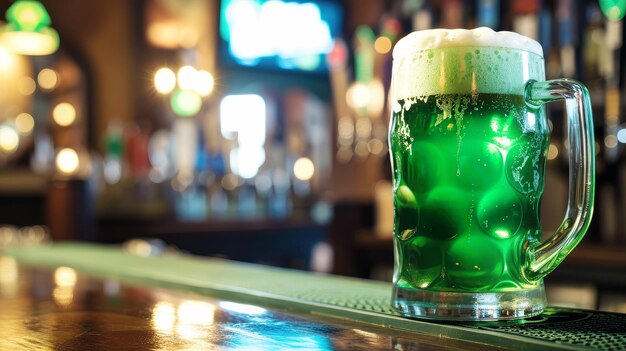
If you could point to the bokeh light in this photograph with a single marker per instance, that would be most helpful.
(26, 85)
(47, 79)
(553, 152)
(187, 77)
(303, 169)
(382, 45)
(242, 308)
(185, 103)
(64, 114)
(9, 139)
(65, 276)
(164, 317)
(24, 123)
(610, 141)
(204, 83)
(7, 59)
(196, 312)
(67, 161)
(621, 136)
(164, 80)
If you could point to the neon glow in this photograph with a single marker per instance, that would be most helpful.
(27, 31)
(294, 33)
(614, 10)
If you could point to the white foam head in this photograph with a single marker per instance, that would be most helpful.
(461, 61)
(447, 38)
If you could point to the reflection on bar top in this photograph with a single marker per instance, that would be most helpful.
(338, 297)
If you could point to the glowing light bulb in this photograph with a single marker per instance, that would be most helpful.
(187, 77)
(24, 123)
(64, 114)
(303, 169)
(164, 80)
(67, 161)
(47, 79)
(204, 83)
(9, 139)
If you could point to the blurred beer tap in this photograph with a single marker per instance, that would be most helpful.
(610, 185)
(360, 103)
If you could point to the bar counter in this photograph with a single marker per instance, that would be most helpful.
(94, 297)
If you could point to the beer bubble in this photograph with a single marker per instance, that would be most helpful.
(443, 214)
(422, 262)
(405, 196)
(499, 213)
(406, 214)
(473, 262)
(424, 169)
(524, 167)
(407, 234)
(479, 164)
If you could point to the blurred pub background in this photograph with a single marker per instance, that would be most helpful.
(256, 130)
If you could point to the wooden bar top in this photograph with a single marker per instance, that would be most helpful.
(94, 297)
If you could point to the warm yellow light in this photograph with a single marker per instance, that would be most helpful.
(196, 312)
(47, 79)
(9, 139)
(26, 85)
(7, 59)
(187, 77)
(63, 295)
(164, 80)
(24, 123)
(31, 43)
(366, 98)
(358, 95)
(67, 161)
(8, 270)
(164, 317)
(204, 83)
(382, 45)
(65, 276)
(64, 114)
(303, 169)
(553, 152)
(610, 141)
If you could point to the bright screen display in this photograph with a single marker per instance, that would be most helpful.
(289, 35)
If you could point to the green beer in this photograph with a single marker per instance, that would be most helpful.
(468, 143)
(468, 177)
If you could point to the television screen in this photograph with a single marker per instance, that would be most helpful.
(279, 34)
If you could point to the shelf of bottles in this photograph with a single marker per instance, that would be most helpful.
(203, 167)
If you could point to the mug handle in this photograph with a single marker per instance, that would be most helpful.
(545, 257)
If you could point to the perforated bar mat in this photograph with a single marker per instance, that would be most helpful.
(339, 297)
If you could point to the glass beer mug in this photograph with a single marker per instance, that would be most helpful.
(468, 141)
